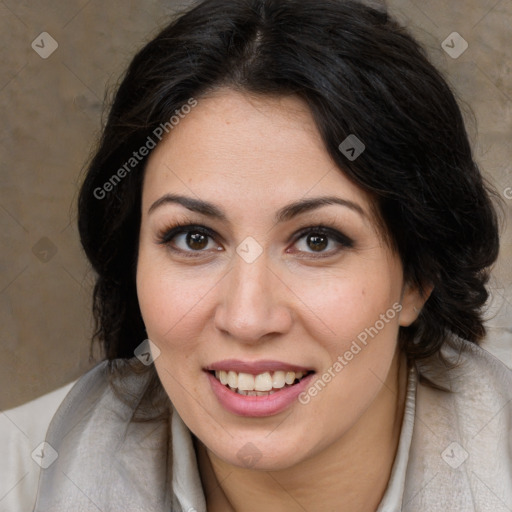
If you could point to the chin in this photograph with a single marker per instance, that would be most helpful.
(261, 453)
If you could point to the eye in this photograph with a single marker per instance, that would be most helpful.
(194, 240)
(322, 240)
(188, 239)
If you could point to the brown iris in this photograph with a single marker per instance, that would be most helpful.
(197, 241)
(317, 242)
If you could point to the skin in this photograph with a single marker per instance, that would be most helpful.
(251, 156)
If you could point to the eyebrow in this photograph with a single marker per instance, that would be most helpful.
(284, 214)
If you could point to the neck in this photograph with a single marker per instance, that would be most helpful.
(352, 474)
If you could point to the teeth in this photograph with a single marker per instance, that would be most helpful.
(232, 379)
(263, 382)
(289, 377)
(257, 385)
(252, 393)
(246, 382)
(278, 380)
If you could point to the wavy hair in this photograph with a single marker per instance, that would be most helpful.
(359, 72)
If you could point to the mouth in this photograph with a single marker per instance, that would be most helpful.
(261, 384)
(257, 388)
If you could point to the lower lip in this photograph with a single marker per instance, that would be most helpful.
(257, 406)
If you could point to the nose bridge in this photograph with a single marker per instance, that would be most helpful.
(250, 308)
(252, 277)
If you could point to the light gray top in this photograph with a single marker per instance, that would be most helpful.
(455, 449)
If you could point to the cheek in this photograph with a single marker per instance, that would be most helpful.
(345, 306)
(171, 312)
(170, 303)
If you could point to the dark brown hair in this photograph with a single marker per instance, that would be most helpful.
(360, 73)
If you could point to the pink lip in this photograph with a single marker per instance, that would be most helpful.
(257, 406)
(255, 367)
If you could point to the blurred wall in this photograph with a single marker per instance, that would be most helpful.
(52, 88)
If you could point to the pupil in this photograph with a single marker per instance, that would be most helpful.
(196, 240)
(317, 242)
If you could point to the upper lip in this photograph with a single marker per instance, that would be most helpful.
(255, 367)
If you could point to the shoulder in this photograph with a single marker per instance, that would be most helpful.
(461, 453)
(93, 409)
(22, 431)
(471, 373)
(479, 399)
(111, 434)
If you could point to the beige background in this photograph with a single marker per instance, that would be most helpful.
(51, 112)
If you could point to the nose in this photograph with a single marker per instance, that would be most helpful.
(253, 302)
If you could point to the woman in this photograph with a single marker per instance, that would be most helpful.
(291, 242)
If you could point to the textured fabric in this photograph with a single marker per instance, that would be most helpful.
(22, 430)
(392, 500)
(455, 449)
(106, 461)
(461, 452)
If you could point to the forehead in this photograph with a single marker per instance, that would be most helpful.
(264, 150)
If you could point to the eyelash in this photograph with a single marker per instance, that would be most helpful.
(165, 237)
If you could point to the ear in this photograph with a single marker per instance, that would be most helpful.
(413, 299)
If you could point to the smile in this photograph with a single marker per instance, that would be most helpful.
(263, 384)
(257, 389)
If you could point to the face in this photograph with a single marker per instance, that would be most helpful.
(246, 268)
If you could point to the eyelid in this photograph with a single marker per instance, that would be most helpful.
(324, 230)
(165, 236)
